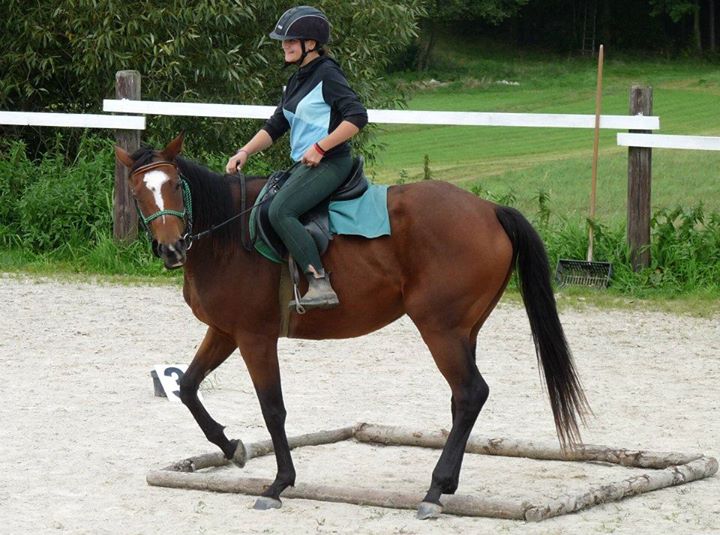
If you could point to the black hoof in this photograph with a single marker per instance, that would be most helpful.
(428, 511)
(263, 503)
(239, 458)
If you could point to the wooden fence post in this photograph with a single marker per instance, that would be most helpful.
(639, 184)
(125, 221)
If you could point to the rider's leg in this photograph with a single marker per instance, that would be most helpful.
(307, 187)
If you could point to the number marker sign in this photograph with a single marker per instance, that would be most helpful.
(169, 376)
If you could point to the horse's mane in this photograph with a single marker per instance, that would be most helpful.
(213, 201)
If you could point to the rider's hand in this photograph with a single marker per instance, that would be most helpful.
(312, 157)
(237, 162)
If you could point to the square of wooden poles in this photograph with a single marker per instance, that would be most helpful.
(660, 470)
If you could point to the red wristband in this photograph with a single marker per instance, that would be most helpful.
(319, 149)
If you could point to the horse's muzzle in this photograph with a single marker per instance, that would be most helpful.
(173, 255)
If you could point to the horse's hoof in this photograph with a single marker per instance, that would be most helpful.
(239, 458)
(263, 503)
(428, 511)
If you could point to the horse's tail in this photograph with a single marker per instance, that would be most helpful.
(564, 389)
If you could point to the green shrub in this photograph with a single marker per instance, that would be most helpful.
(684, 250)
(16, 172)
(67, 205)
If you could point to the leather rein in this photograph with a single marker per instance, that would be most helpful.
(186, 214)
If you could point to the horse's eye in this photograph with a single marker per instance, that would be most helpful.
(177, 186)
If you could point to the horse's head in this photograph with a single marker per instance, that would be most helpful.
(162, 198)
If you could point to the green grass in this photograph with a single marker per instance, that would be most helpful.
(524, 161)
(106, 258)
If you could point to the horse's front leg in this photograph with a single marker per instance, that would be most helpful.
(214, 350)
(260, 355)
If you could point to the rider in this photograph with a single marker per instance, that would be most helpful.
(322, 113)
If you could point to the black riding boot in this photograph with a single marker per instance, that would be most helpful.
(320, 293)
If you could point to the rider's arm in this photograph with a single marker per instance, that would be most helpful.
(273, 128)
(259, 141)
(342, 133)
(341, 97)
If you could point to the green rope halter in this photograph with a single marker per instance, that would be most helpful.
(185, 215)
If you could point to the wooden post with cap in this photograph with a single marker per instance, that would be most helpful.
(125, 221)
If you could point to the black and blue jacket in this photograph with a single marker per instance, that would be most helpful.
(316, 100)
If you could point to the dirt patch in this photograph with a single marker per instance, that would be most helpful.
(80, 427)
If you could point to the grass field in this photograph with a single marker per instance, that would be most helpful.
(521, 162)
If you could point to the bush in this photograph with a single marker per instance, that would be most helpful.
(50, 204)
(684, 251)
(684, 248)
(16, 172)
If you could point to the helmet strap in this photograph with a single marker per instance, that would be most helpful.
(318, 48)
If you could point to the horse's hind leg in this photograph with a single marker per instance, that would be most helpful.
(213, 351)
(454, 356)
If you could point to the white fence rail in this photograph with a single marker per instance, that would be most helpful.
(73, 120)
(237, 111)
(657, 141)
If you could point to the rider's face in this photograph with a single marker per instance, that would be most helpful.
(292, 50)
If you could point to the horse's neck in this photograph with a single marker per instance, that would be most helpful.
(204, 259)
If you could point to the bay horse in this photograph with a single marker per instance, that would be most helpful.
(446, 264)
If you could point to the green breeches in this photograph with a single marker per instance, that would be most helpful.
(306, 188)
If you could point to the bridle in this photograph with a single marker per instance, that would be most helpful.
(186, 215)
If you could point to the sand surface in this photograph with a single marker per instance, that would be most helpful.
(80, 426)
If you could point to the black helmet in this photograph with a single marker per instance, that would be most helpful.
(303, 22)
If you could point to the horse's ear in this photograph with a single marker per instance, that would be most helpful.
(173, 148)
(123, 157)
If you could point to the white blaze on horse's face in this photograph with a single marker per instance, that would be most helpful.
(154, 181)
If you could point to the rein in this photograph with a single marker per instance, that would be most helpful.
(187, 216)
(243, 210)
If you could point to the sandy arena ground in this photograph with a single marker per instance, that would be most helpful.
(80, 427)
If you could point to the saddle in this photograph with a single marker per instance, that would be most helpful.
(316, 220)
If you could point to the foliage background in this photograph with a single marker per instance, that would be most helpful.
(63, 56)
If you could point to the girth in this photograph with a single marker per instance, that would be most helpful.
(316, 220)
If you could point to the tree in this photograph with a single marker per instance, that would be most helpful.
(711, 17)
(680, 9)
(63, 56)
(439, 12)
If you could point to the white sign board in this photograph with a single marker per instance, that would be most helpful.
(169, 376)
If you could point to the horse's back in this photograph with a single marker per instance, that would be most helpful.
(446, 221)
(456, 256)
(447, 257)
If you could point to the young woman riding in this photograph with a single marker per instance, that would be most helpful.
(322, 113)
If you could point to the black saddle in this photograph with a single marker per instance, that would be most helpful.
(316, 220)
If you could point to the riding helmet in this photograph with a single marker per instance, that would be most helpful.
(303, 22)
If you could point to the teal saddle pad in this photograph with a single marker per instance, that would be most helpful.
(365, 216)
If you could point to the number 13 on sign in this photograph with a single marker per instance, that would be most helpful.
(169, 377)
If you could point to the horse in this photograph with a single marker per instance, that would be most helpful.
(446, 264)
